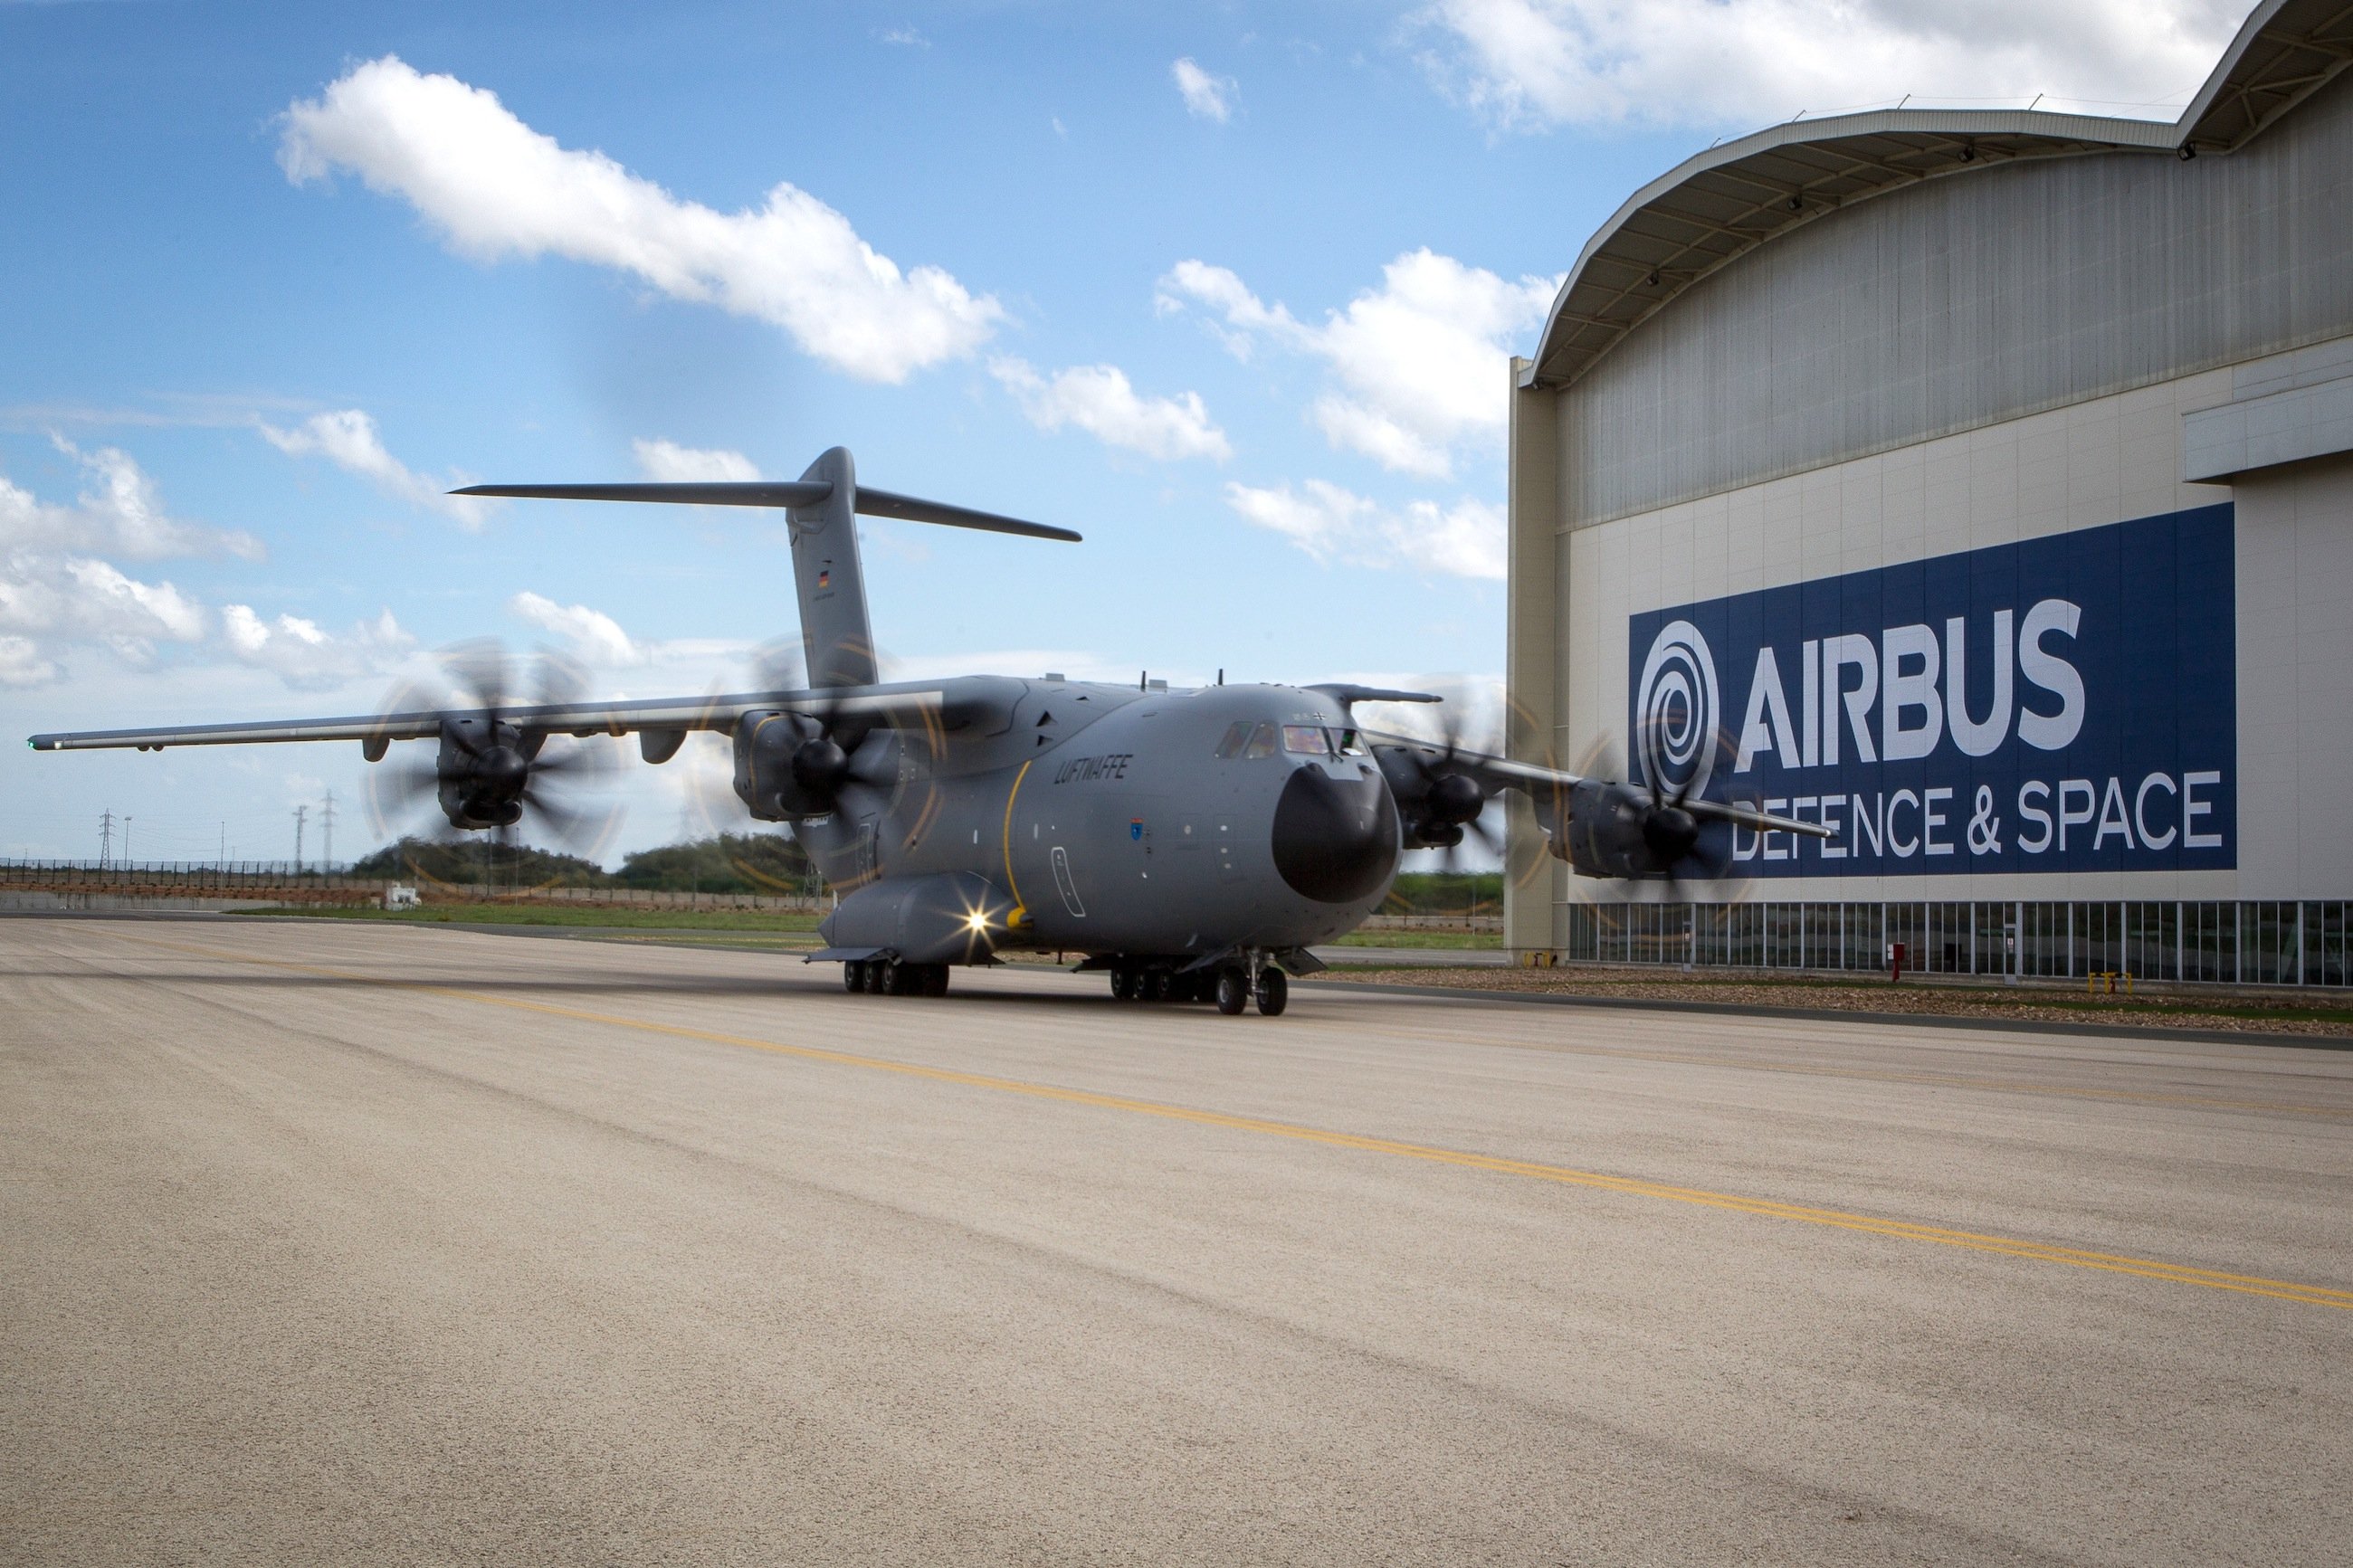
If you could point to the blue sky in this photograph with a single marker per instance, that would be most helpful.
(1229, 287)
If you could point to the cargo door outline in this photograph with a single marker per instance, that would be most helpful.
(1065, 885)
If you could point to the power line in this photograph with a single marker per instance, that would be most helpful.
(302, 813)
(327, 831)
(106, 838)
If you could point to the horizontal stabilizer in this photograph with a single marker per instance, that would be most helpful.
(782, 493)
(757, 492)
(1348, 695)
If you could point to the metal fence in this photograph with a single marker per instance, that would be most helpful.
(287, 880)
(2262, 942)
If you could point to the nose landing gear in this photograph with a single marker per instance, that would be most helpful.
(1273, 990)
(1231, 986)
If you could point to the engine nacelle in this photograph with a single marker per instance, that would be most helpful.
(767, 742)
(1619, 830)
(484, 767)
(1433, 803)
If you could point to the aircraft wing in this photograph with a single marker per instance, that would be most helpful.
(895, 705)
(1500, 773)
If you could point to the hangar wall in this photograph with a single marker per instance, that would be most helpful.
(1951, 381)
(1968, 299)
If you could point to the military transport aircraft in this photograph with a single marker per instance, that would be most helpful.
(1192, 843)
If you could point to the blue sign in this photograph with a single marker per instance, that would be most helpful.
(2065, 704)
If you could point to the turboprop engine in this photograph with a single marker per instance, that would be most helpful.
(791, 765)
(483, 770)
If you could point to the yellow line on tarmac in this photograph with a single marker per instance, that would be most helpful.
(1975, 1241)
(1867, 1075)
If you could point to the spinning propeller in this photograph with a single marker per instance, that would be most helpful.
(492, 768)
(1440, 801)
(1665, 830)
(827, 751)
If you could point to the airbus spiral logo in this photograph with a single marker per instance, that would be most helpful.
(1677, 711)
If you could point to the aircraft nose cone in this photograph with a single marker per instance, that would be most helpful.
(1336, 840)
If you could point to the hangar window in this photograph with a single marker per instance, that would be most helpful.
(1308, 740)
(1238, 735)
(1261, 741)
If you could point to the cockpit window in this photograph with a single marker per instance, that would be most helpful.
(1261, 741)
(1238, 735)
(1307, 740)
(1347, 743)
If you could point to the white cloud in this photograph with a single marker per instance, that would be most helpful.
(907, 38)
(118, 513)
(666, 462)
(1421, 363)
(309, 659)
(1752, 62)
(497, 188)
(1098, 399)
(594, 634)
(54, 587)
(1205, 97)
(47, 602)
(1323, 522)
(58, 592)
(21, 663)
(1465, 540)
(348, 439)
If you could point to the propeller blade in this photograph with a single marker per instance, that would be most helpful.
(779, 665)
(581, 830)
(560, 680)
(399, 790)
(480, 669)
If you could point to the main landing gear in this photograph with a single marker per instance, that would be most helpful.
(1229, 987)
(889, 977)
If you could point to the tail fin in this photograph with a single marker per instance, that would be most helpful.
(822, 505)
(837, 638)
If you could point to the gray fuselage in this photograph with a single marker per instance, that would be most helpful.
(1121, 821)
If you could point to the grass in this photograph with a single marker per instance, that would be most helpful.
(584, 915)
(1445, 941)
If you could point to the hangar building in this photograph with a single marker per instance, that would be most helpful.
(1979, 484)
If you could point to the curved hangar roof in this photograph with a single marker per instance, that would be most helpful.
(1728, 200)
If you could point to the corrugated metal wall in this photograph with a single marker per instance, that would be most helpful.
(1966, 300)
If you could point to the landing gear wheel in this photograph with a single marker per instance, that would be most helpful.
(878, 976)
(1274, 991)
(1233, 992)
(1155, 987)
(935, 980)
(1123, 983)
(853, 976)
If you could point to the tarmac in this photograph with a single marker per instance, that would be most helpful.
(337, 1242)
